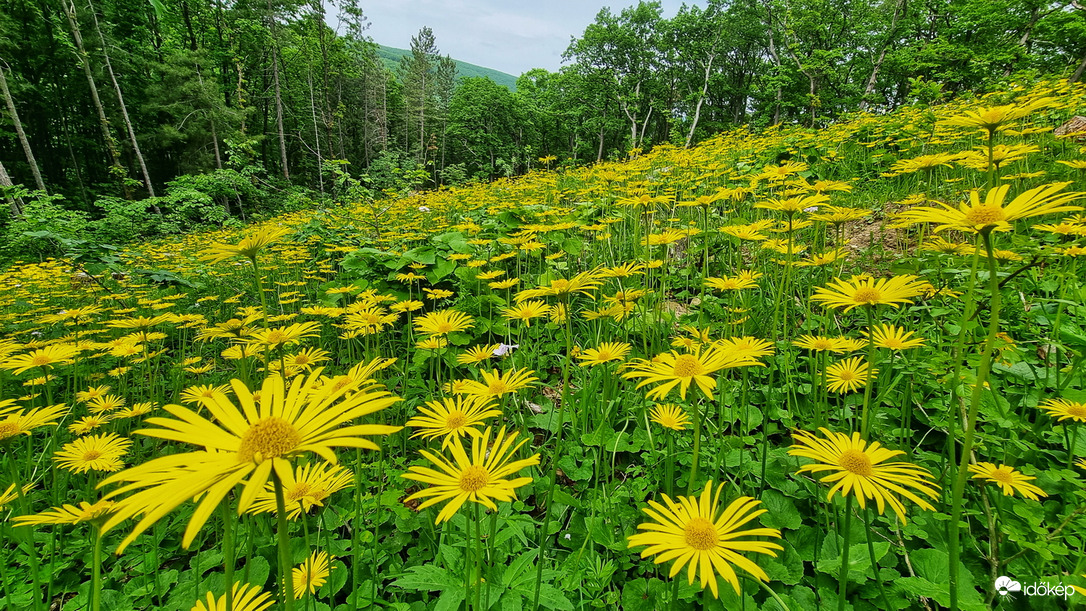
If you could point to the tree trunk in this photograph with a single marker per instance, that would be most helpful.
(111, 145)
(701, 99)
(1078, 71)
(278, 94)
(19, 131)
(15, 203)
(869, 89)
(124, 110)
(777, 63)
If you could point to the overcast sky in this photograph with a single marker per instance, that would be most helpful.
(512, 36)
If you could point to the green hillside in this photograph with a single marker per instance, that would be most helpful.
(391, 56)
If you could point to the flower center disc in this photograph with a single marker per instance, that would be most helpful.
(687, 366)
(455, 420)
(298, 492)
(867, 295)
(700, 534)
(855, 462)
(1002, 475)
(474, 478)
(7, 429)
(91, 455)
(847, 375)
(268, 438)
(985, 215)
(1077, 410)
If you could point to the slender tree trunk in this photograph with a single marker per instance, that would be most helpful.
(19, 131)
(316, 131)
(869, 89)
(15, 203)
(278, 94)
(111, 144)
(776, 62)
(701, 99)
(124, 110)
(1078, 71)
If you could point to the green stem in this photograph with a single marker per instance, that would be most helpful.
(874, 561)
(697, 450)
(843, 579)
(284, 545)
(96, 572)
(865, 411)
(971, 421)
(228, 552)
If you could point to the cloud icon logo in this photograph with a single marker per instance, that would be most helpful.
(1005, 585)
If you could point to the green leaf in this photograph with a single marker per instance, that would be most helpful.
(551, 597)
(781, 511)
(429, 577)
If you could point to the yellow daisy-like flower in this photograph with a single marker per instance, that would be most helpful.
(860, 469)
(249, 247)
(70, 514)
(10, 494)
(443, 322)
(106, 403)
(695, 533)
(672, 369)
(746, 347)
(861, 291)
(245, 444)
(243, 597)
(311, 574)
(993, 117)
(279, 337)
(477, 354)
(848, 375)
(91, 393)
(307, 487)
(730, 283)
(308, 358)
(481, 478)
(204, 393)
(895, 338)
(88, 423)
(24, 421)
(526, 311)
(583, 283)
(496, 384)
(992, 214)
(1062, 409)
(1008, 479)
(819, 343)
(606, 352)
(433, 342)
(56, 354)
(453, 417)
(669, 416)
(94, 453)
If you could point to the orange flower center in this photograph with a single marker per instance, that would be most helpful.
(1003, 475)
(268, 438)
(687, 366)
(90, 455)
(560, 286)
(298, 492)
(275, 337)
(855, 462)
(822, 344)
(474, 478)
(7, 429)
(847, 375)
(867, 295)
(985, 215)
(497, 387)
(455, 420)
(1077, 410)
(700, 534)
(40, 360)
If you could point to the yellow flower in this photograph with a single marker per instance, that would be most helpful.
(1008, 479)
(819, 343)
(672, 369)
(496, 384)
(249, 247)
(443, 322)
(847, 375)
(245, 445)
(860, 291)
(243, 598)
(453, 417)
(860, 469)
(432, 342)
(204, 394)
(695, 532)
(730, 283)
(526, 311)
(991, 214)
(279, 337)
(584, 283)
(895, 338)
(311, 574)
(993, 117)
(93, 453)
(56, 354)
(70, 514)
(22, 422)
(304, 488)
(607, 351)
(669, 416)
(477, 354)
(1062, 409)
(9, 495)
(482, 478)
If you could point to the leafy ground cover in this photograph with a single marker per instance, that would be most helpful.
(790, 369)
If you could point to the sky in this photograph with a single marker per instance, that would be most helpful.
(512, 36)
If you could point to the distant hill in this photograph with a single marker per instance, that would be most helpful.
(391, 56)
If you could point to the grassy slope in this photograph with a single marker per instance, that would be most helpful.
(391, 56)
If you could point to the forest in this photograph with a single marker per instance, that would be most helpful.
(204, 111)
